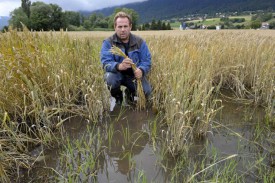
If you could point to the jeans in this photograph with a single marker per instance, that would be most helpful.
(115, 80)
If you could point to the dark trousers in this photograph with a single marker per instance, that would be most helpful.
(115, 80)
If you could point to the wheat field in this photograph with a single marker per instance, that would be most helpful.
(47, 77)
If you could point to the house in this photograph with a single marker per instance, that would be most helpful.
(265, 25)
(183, 26)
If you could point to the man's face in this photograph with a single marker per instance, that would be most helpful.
(123, 29)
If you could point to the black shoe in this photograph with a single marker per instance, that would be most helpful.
(117, 94)
(129, 96)
(119, 100)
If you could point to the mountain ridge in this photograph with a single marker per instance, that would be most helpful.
(4, 21)
(163, 9)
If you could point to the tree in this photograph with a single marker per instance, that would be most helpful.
(163, 26)
(154, 25)
(18, 16)
(98, 20)
(92, 19)
(147, 26)
(168, 27)
(141, 27)
(26, 4)
(72, 18)
(255, 24)
(272, 25)
(239, 26)
(95, 21)
(102, 23)
(5, 29)
(57, 17)
(263, 17)
(159, 25)
(40, 17)
(87, 24)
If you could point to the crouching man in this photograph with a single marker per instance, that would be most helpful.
(118, 70)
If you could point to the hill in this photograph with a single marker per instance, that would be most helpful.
(4, 21)
(163, 9)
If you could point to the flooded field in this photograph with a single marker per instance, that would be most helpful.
(56, 125)
(239, 145)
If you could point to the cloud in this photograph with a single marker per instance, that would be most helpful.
(6, 6)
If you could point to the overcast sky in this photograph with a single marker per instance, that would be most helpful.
(6, 6)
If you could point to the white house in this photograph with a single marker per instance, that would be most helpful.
(265, 25)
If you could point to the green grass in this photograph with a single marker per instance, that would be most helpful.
(211, 21)
(80, 157)
(246, 17)
(214, 21)
(175, 25)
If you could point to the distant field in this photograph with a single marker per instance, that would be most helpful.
(103, 34)
(212, 21)
(247, 17)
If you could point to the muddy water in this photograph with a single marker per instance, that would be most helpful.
(130, 153)
(239, 130)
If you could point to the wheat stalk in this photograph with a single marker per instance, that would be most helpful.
(141, 102)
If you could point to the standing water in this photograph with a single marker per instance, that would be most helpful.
(123, 150)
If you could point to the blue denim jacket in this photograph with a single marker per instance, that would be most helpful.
(138, 52)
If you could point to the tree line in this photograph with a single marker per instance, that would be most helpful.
(257, 20)
(155, 25)
(39, 16)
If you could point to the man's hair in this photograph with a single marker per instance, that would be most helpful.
(122, 14)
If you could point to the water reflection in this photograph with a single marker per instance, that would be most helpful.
(234, 133)
(129, 153)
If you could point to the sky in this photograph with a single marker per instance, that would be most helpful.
(6, 6)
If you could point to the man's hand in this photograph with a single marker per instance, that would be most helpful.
(138, 73)
(125, 64)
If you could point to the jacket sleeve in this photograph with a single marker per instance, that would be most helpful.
(107, 59)
(145, 58)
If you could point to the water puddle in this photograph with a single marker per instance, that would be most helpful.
(130, 153)
(127, 154)
(234, 133)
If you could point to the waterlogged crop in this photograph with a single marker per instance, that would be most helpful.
(48, 77)
(190, 71)
(45, 79)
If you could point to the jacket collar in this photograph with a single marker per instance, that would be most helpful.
(132, 39)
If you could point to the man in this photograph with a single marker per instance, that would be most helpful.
(117, 69)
